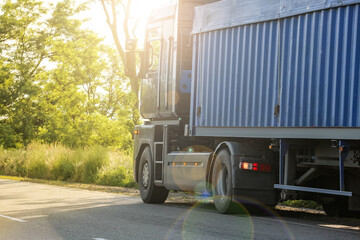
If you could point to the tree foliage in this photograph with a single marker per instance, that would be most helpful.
(58, 81)
(114, 9)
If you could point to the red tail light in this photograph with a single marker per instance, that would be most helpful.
(262, 167)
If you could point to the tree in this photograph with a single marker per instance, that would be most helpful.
(85, 92)
(59, 83)
(116, 7)
(22, 44)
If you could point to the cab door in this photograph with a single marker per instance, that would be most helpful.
(158, 86)
(150, 104)
(166, 87)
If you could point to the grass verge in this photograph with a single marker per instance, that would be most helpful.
(92, 165)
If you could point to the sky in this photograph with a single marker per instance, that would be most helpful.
(140, 10)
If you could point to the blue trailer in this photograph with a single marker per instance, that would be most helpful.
(252, 101)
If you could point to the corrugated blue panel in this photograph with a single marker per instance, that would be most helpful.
(307, 64)
(320, 69)
(236, 75)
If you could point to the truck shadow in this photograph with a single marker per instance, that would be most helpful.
(288, 213)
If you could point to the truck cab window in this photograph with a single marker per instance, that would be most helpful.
(154, 55)
(154, 48)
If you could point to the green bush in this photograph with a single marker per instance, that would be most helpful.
(38, 169)
(119, 176)
(113, 177)
(64, 167)
(37, 158)
(118, 171)
(302, 204)
(92, 160)
(12, 162)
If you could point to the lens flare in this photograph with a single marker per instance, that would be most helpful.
(196, 222)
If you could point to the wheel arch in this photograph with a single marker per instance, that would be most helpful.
(137, 159)
(233, 149)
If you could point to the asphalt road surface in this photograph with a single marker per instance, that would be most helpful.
(38, 211)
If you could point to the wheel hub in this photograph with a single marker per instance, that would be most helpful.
(223, 182)
(145, 175)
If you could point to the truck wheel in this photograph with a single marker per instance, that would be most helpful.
(148, 191)
(222, 190)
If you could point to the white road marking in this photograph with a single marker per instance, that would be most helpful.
(34, 216)
(99, 239)
(11, 218)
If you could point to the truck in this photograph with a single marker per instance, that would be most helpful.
(251, 102)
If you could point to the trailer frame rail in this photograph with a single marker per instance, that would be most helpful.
(314, 190)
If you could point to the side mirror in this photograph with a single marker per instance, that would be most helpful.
(130, 45)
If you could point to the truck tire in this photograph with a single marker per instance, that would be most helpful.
(223, 194)
(148, 191)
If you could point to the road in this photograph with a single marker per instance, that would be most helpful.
(39, 211)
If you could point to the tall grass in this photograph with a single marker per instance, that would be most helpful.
(118, 171)
(57, 162)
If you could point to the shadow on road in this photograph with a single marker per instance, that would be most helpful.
(284, 212)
